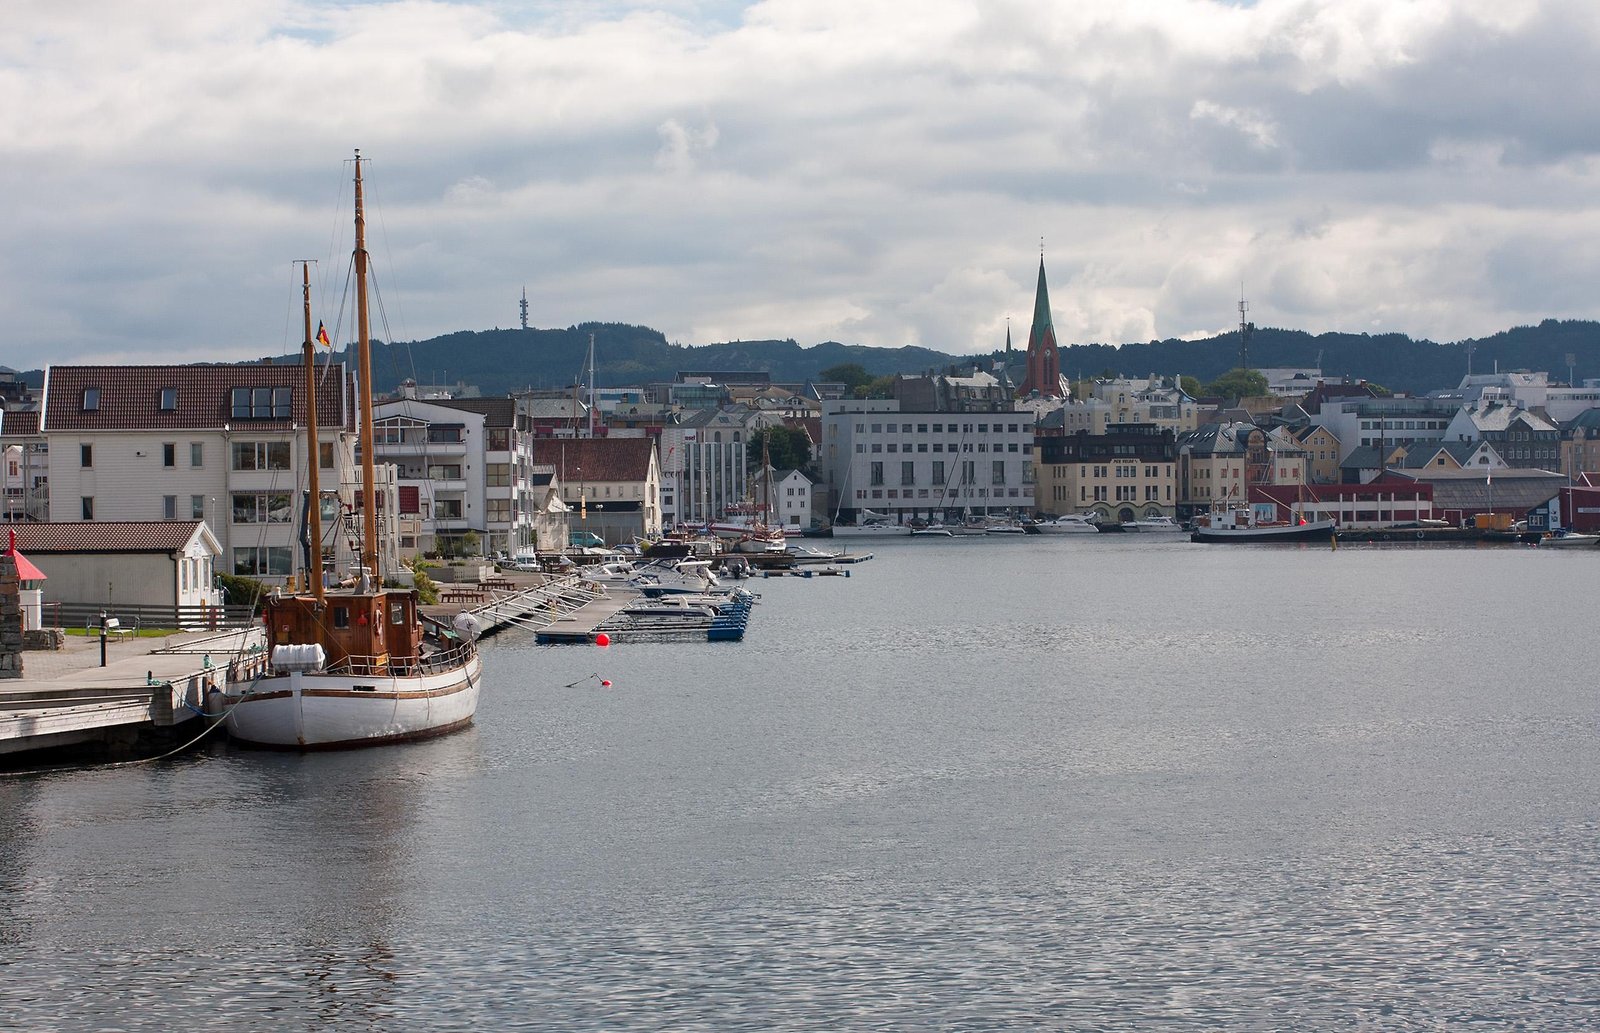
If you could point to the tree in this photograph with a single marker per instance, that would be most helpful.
(851, 374)
(1190, 386)
(787, 449)
(878, 387)
(1237, 383)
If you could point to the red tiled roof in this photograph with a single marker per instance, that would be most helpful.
(19, 423)
(130, 397)
(105, 536)
(596, 459)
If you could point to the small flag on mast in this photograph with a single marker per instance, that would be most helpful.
(322, 335)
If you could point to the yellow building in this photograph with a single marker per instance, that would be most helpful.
(1127, 473)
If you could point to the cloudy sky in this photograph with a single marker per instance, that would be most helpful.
(869, 172)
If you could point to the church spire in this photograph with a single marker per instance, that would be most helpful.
(1044, 357)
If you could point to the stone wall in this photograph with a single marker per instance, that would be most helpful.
(10, 618)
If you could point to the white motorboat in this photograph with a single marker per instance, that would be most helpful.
(355, 667)
(1569, 540)
(1156, 524)
(1068, 523)
(872, 529)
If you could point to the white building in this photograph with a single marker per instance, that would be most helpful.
(926, 464)
(704, 462)
(125, 563)
(222, 444)
(464, 465)
(790, 505)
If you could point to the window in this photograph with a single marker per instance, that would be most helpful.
(447, 509)
(498, 510)
(197, 454)
(325, 455)
(261, 455)
(91, 399)
(169, 399)
(88, 507)
(197, 507)
(445, 472)
(169, 507)
(261, 403)
(169, 455)
(938, 471)
(450, 433)
(998, 473)
(877, 474)
(261, 509)
(908, 473)
(341, 616)
(497, 475)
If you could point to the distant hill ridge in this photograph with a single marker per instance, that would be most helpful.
(500, 361)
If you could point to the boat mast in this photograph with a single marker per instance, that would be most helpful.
(369, 506)
(313, 446)
(591, 385)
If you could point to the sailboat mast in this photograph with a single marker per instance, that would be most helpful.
(313, 446)
(591, 385)
(369, 506)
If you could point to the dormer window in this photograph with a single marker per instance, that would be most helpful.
(91, 399)
(261, 403)
(169, 399)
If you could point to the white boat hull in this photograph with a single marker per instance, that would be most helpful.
(1067, 527)
(321, 710)
(871, 531)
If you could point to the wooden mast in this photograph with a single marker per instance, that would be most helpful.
(313, 446)
(369, 508)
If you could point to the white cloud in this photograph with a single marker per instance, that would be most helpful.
(877, 173)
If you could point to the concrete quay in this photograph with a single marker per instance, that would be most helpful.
(148, 688)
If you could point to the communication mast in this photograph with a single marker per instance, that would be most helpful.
(1245, 330)
(524, 308)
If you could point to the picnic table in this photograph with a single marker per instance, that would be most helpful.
(463, 595)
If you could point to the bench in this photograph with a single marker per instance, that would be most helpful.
(114, 628)
(463, 595)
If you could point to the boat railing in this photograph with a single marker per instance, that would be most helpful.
(452, 656)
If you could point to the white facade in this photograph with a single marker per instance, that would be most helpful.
(926, 465)
(247, 486)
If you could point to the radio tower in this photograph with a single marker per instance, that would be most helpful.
(1245, 330)
(524, 308)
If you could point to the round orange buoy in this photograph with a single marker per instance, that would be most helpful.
(602, 639)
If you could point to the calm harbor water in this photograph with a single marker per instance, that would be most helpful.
(1005, 784)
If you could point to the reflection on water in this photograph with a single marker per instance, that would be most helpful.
(975, 786)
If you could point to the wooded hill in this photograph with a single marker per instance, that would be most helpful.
(498, 361)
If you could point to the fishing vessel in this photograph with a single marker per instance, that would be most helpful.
(1241, 523)
(357, 665)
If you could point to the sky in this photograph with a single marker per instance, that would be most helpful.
(880, 173)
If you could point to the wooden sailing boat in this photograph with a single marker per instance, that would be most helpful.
(355, 666)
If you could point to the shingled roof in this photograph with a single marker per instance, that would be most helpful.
(130, 397)
(106, 536)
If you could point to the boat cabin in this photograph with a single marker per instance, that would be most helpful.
(369, 632)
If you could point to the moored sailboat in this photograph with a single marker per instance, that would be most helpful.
(356, 666)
